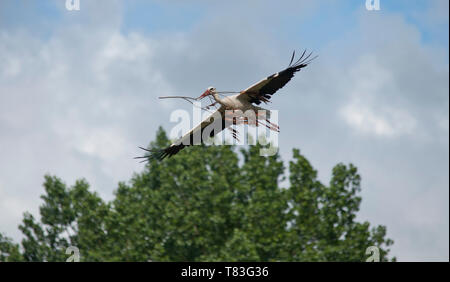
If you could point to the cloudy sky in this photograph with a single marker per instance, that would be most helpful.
(78, 94)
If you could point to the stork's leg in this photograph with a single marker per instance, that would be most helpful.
(265, 112)
(233, 120)
(265, 115)
(268, 124)
(273, 125)
(269, 127)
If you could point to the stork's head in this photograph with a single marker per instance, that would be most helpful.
(211, 90)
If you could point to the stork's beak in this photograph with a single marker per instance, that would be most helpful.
(206, 93)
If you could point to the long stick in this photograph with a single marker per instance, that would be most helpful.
(182, 97)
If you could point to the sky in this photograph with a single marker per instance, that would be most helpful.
(78, 95)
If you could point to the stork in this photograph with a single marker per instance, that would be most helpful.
(245, 100)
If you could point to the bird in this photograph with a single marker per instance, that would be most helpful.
(248, 99)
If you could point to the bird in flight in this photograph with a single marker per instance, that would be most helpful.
(243, 101)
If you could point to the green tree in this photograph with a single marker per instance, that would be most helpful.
(205, 204)
(69, 217)
(9, 251)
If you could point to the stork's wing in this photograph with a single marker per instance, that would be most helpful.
(263, 90)
(193, 137)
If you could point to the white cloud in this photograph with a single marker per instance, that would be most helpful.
(378, 98)
(363, 111)
(77, 104)
(386, 123)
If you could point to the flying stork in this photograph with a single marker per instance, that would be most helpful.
(245, 100)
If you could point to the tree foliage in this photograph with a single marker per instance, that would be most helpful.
(205, 204)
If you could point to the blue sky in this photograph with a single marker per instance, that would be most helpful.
(73, 81)
(329, 19)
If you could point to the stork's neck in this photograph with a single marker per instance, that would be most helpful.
(217, 98)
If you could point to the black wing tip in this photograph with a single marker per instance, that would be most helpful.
(301, 62)
(160, 154)
(154, 154)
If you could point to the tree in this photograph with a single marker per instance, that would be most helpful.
(205, 204)
(8, 250)
(69, 217)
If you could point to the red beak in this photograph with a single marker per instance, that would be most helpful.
(206, 93)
